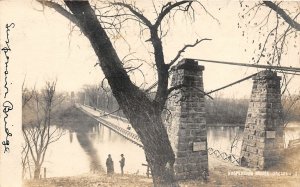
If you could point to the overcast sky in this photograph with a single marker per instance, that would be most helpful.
(43, 48)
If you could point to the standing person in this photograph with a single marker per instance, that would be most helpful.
(110, 165)
(122, 163)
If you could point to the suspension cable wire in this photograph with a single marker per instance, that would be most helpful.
(231, 84)
(284, 68)
(289, 73)
(280, 69)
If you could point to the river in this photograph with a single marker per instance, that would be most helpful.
(79, 152)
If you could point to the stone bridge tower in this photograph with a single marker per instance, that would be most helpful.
(263, 133)
(186, 123)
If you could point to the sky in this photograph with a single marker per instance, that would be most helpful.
(46, 49)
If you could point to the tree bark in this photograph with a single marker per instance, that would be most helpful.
(143, 114)
(159, 154)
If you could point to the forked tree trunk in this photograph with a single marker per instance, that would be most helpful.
(143, 114)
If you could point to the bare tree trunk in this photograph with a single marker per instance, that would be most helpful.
(37, 133)
(158, 150)
(143, 114)
(37, 171)
(29, 169)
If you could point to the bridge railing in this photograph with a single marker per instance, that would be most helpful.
(125, 133)
(133, 137)
(234, 159)
(106, 113)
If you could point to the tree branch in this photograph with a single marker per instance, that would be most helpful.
(184, 48)
(167, 8)
(57, 7)
(134, 68)
(283, 14)
(135, 12)
(28, 143)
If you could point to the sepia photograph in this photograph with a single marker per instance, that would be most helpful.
(158, 93)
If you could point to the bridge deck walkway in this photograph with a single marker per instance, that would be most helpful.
(113, 122)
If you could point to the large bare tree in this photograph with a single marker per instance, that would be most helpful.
(143, 112)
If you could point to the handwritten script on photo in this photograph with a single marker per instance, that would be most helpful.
(7, 105)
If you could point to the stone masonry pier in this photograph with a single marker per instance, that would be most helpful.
(186, 124)
(263, 133)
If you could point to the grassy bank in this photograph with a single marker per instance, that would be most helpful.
(91, 180)
(221, 174)
(218, 177)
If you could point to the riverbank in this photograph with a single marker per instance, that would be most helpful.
(221, 174)
(91, 180)
(218, 177)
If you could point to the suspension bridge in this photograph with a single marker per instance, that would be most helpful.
(115, 123)
(122, 127)
(187, 129)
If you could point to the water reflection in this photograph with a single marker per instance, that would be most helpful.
(292, 131)
(71, 136)
(86, 147)
(221, 138)
(114, 144)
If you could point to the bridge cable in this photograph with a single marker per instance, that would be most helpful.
(231, 84)
(284, 68)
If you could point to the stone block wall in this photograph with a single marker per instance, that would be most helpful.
(187, 126)
(263, 133)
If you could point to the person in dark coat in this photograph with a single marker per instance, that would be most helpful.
(110, 165)
(122, 163)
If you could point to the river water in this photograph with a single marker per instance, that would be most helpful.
(80, 152)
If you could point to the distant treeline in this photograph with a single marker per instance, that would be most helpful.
(291, 107)
(226, 111)
(220, 110)
(100, 97)
(234, 111)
